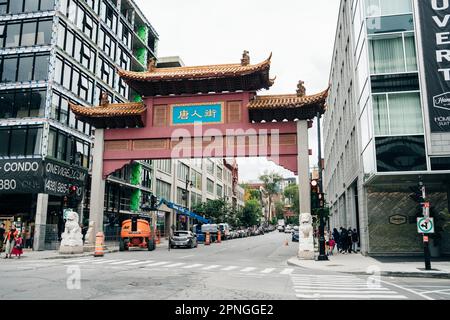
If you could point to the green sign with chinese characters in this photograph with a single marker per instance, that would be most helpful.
(206, 113)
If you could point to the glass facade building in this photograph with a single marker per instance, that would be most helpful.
(53, 52)
(376, 135)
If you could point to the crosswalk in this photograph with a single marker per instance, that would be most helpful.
(337, 287)
(170, 265)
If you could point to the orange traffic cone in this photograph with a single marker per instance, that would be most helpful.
(286, 243)
(99, 241)
(207, 239)
(219, 237)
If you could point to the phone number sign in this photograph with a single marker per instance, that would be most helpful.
(207, 113)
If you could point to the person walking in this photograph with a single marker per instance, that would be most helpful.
(2, 236)
(343, 240)
(349, 240)
(27, 237)
(336, 239)
(332, 244)
(18, 246)
(10, 241)
(355, 241)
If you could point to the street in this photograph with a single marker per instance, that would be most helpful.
(249, 268)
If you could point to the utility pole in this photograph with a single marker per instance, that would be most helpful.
(426, 214)
(322, 254)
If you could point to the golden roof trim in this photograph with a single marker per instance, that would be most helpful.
(109, 110)
(287, 100)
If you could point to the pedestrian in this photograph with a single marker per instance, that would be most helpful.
(28, 239)
(332, 244)
(10, 241)
(18, 246)
(355, 240)
(349, 240)
(336, 239)
(2, 236)
(343, 240)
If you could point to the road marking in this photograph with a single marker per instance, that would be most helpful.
(211, 267)
(157, 264)
(287, 271)
(77, 261)
(248, 269)
(435, 291)
(268, 270)
(406, 289)
(193, 266)
(122, 262)
(348, 296)
(174, 265)
(104, 261)
(229, 268)
(141, 262)
(320, 291)
(87, 261)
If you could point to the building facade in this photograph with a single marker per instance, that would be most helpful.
(53, 52)
(378, 134)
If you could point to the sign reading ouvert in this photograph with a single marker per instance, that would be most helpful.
(202, 112)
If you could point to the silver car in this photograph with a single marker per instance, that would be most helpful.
(183, 238)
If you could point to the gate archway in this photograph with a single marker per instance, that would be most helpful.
(201, 112)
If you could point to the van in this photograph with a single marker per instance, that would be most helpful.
(224, 230)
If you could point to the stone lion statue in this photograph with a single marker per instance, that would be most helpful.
(306, 225)
(72, 235)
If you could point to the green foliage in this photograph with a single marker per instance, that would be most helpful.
(219, 211)
(279, 209)
(254, 194)
(251, 213)
(291, 193)
(271, 182)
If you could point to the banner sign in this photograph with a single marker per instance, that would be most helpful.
(37, 176)
(207, 113)
(435, 26)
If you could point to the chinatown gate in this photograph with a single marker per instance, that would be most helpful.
(201, 112)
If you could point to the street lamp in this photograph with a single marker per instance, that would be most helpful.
(185, 197)
(322, 254)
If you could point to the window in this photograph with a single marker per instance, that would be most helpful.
(182, 172)
(20, 141)
(12, 35)
(392, 53)
(25, 71)
(9, 68)
(196, 179)
(401, 154)
(210, 166)
(210, 186)
(20, 68)
(397, 114)
(26, 33)
(219, 173)
(163, 189)
(22, 103)
(3, 6)
(15, 6)
(164, 165)
(44, 33)
(19, 6)
(388, 7)
(31, 5)
(437, 164)
(68, 148)
(41, 67)
(47, 5)
(219, 191)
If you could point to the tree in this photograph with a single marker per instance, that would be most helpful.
(279, 209)
(251, 213)
(219, 211)
(291, 193)
(271, 183)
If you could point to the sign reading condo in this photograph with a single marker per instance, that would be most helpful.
(205, 113)
(435, 29)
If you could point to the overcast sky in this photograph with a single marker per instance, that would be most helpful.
(299, 33)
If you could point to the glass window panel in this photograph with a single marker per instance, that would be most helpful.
(69, 43)
(77, 52)
(37, 103)
(7, 105)
(61, 36)
(47, 4)
(41, 68)
(9, 69)
(405, 113)
(64, 111)
(25, 71)
(18, 138)
(55, 106)
(387, 55)
(380, 115)
(410, 50)
(22, 104)
(67, 76)
(75, 81)
(51, 148)
(29, 34)
(3, 7)
(44, 35)
(401, 154)
(61, 151)
(63, 6)
(58, 70)
(31, 5)
(12, 35)
(4, 141)
(15, 6)
(389, 7)
(33, 142)
(72, 120)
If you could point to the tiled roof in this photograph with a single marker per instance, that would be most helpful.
(109, 110)
(195, 73)
(287, 101)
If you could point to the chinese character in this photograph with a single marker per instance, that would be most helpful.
(195, 114)
(184, 115)
(210, 113)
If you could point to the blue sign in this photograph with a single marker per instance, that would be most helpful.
(204, 113)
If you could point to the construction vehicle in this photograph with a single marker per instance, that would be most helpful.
(136, 233)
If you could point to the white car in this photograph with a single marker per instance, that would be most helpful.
(288, 229)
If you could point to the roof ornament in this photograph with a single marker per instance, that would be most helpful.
(151, 66)
(301, 90)
(245, 61)
(104, 99)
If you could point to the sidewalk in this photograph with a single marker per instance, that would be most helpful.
(387, 266)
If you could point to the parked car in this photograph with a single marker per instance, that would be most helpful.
(280, 228)
(288, 229)
(296, 228)
(224, 230)
(295, 236)
(183, 238)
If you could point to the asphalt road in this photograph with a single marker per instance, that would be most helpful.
(251, 268)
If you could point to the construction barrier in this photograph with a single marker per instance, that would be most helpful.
(219, 237)
(99, 244)
(158, 237)
(207, 239)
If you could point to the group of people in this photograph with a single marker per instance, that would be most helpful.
(12, 241)
(345, 241)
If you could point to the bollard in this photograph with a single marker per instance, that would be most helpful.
(99, 242)
(207, 239)
(158, 237)
(219, 238)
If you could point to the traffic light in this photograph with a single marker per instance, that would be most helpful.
(315, 194)
(72, 201)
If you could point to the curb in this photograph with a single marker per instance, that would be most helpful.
(399, 274)
(87, 254)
